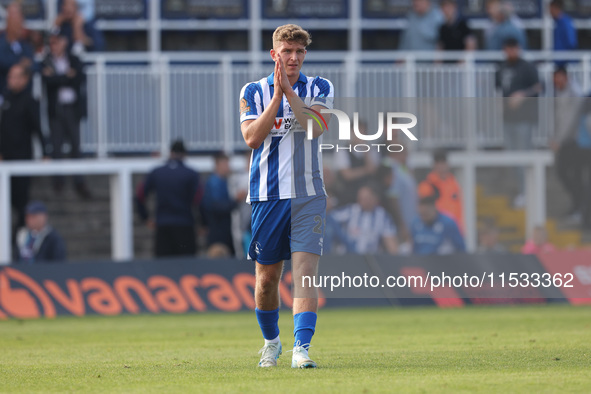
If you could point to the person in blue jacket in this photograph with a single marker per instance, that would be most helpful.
(565, 35)
(433, 232)
(38, 242)
(217, 205)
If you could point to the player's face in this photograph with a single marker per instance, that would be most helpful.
(292, 55)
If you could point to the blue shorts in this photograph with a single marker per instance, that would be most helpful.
(281, 227)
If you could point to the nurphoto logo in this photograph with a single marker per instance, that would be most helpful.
(393, 123)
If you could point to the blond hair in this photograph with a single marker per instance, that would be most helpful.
(291, 33)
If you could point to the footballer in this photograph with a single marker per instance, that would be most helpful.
(286, 188)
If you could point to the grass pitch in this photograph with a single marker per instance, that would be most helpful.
(488, 349)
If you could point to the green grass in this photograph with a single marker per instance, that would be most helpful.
(488, 349)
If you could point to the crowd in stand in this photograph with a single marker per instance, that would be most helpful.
(432, 26)
(375, 203)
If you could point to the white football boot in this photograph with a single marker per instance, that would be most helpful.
(270, 354)
(300, 358)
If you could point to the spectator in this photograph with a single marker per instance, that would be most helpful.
(568, 161)
(432, 231)
(37, 40)
(583, 140)
(241, 217)
(565, 35)
(538, 243)
(367, 225)
(63, 78)
(336, 240)
(503, 26)
(13, 49)
(489, 240)
(422, 29)
(82, 35)
(38, 242)
(518, 80)
(449, 201)
(218, 251)
(354, 168)
(177, 192)
(218, 205)
(454, 33)
(19, 122)
(404, 191)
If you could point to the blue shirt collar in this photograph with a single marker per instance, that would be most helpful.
(302, 78)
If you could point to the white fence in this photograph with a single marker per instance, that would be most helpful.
(140, 103)
(120, 172)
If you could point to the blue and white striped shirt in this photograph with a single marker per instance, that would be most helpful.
(287, 164)
(365, 229)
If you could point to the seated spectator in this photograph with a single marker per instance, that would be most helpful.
(432, 231)
(13, 48)
(178, 191)
(218, 251)
(82, 35)
(38, 242)
(217, 205)
(538, 242)
(565, 35)
(422, 29)
(368, 228)
(449, 200)
(454, 33)
(336, 240)
(354, 168)
(503, 26)
(489, 240)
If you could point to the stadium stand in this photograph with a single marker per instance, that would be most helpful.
(147, 88)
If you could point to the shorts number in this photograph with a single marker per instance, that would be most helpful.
(318, 228)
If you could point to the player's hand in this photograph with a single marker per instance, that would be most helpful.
(277, 81)
(285, 85)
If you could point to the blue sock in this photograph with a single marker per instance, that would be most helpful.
(304, 325)
(268, 323)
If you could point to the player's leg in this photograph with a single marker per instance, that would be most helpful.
(305, 307)
(266, 295)
(269, 247)
(307, 231)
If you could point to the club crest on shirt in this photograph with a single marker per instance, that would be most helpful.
(244, 107)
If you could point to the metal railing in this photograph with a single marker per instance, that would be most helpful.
(139, 102)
